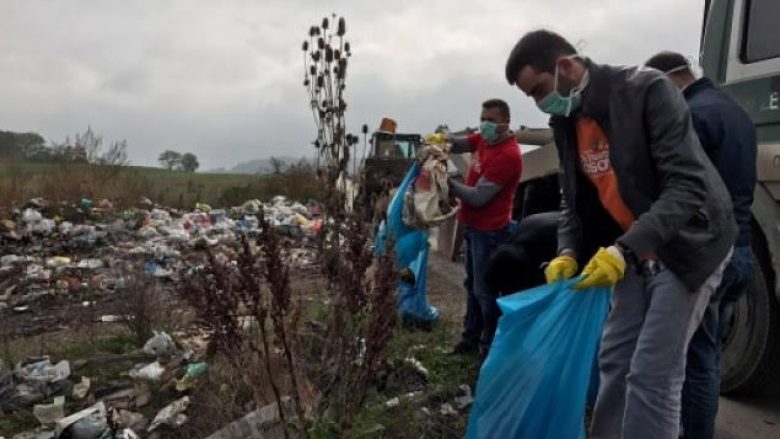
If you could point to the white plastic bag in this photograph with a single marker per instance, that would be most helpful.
(150, 372)
(428, 201)
(160, 345)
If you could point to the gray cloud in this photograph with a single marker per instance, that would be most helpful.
(223, 79)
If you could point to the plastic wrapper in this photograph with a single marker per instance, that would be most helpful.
(31, 216)
(161, 344)
(50, 413)
(535, 381)
(150, 372)
(89, 423)
(172, 414)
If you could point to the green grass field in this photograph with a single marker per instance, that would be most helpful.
(22, 181)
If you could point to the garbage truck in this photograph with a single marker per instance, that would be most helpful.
(740, 53)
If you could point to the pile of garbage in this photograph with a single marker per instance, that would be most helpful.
(51, 250)
(79, 254)
(115, 415)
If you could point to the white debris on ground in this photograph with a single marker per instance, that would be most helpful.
(54, 249)
(53, 253)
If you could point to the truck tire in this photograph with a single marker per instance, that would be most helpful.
(751, 347)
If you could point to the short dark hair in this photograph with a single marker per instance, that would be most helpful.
(502, 106)
(666, 61)
(539, 49)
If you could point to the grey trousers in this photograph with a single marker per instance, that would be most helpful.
(643, 350)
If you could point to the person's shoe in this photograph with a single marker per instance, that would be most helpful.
(465, 348)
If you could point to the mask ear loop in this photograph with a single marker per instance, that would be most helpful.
(677, 69)
(555, 80)
(583, 83)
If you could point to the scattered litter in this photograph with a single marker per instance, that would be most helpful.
(149, 372)
(130, 420)
(142, 395)
(417, 365)
(194, 370)
(76, 252)
(161, 344)
(110, 318)
(71, 253)
(447, 410)
(31, 216)
(172, 414)
(126, 434)
(467, 399)
(58, 261)
(81, 389)
(40, 370)
(252, 207)
(121, 399)
(50, 413)
(249, 324)
(395, 402)
(89, 423)
(91, 264)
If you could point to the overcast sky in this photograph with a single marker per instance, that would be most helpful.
(223, 79)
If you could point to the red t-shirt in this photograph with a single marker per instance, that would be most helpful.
(500, 164)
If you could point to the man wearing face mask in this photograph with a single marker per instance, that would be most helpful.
(486, 209)
(635, 179)
(729, 139)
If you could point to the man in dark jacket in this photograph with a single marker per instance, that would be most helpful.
(632, 172)
(729, 139)
(516, 266)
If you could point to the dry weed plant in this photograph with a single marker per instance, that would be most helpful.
(243, 294)
(144, 307)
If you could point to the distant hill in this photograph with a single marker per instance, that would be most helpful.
(261, 166)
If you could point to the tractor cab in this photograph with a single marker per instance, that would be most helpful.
(391, 146)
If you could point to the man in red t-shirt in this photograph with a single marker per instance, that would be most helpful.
(486, 210)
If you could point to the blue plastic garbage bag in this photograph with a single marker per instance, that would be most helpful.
(534, 383)
(411, 251)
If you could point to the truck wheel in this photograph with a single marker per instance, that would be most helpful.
(751, 347)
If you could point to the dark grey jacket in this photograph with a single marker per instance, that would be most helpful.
(682, 208)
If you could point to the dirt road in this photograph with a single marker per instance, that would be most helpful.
(744, 418)
(750, 418)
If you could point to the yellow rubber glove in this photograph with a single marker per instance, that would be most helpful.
(561, 268)
(437, 138)
(604, 269)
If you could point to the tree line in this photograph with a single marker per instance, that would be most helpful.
(86, 147)
(176, 161)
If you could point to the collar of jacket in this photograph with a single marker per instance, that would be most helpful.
(697, 86)
(595, 97)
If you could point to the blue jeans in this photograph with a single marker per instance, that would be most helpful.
(702, 375)
(479, 324)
